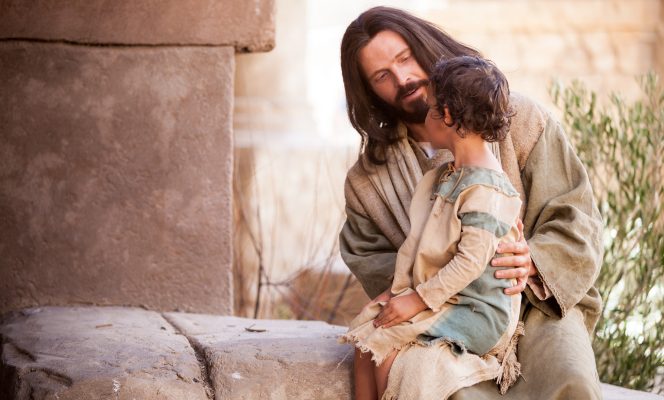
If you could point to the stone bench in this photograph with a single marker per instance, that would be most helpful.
(131, 353)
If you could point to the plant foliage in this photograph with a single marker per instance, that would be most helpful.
(622, 146)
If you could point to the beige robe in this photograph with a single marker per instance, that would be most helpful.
(561, 224)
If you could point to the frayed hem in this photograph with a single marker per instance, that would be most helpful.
(364, 348)
(389, 396)
(510, 368)
(457, 347)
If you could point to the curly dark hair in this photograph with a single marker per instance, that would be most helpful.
(368, 114)
(476, 94)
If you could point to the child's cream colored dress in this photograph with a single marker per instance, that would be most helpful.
(458, 217)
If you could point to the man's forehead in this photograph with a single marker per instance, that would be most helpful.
(388, 36)
(381, 50)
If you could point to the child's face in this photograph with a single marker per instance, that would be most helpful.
(438, 133)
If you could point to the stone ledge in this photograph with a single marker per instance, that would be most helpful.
(246, 25)
(124, 353)
(612, 392)
(96, 353)
(270, 359)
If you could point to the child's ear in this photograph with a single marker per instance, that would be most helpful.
(447, 118)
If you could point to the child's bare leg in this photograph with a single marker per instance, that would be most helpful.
(363, 375)
(382, 373)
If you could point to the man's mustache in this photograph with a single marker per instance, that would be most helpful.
(409, 87)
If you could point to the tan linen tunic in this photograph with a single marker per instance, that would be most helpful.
(458, 218)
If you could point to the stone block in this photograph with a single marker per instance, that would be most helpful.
(543, 16)
(245, 25)
(601, 50)
(116, 176)
(270, 359)
(96, 353)
(612, 392)
(636, 53)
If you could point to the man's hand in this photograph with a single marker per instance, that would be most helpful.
(400, 309)
(523, 266)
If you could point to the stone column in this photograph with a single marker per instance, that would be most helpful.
(116, 150)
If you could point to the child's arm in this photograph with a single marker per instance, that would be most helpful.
(486, 215)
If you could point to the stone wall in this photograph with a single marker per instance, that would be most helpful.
(116, 150)
(604, 43)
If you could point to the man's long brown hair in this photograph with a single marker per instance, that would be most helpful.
(368, 114)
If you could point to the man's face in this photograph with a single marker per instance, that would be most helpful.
(395, 76)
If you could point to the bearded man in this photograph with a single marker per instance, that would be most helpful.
(386, 57)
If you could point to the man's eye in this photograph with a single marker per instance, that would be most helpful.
(405, 58)
(381, 77)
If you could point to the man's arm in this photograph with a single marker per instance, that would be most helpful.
(562, 224)
(367, 252)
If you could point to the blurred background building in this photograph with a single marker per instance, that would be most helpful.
(293, 142)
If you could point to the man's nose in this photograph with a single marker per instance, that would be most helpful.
(402, 76)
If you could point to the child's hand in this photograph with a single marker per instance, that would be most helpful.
(385, 296)
(400, 309)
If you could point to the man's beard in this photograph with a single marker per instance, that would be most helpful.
(417, 115)
(419, 105)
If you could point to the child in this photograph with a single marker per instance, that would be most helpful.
(442, 292)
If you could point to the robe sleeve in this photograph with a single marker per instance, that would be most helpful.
(538, 287)
(367, 252)
(562, 224)
(474, 251)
